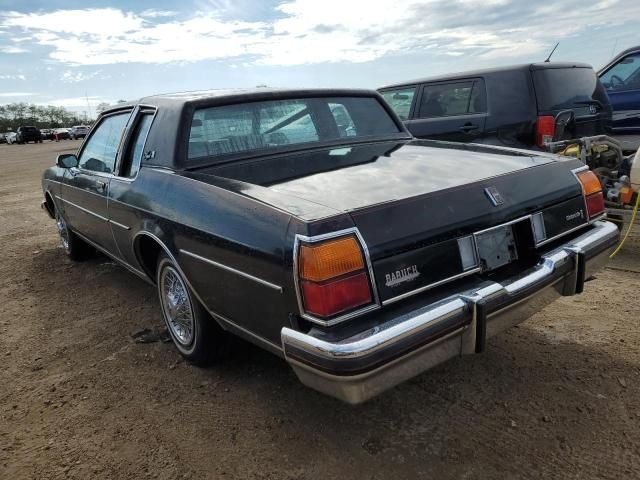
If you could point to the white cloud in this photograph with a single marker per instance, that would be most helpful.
(76, 102)
(308, 31)
(69, 76)
(12, 77)
(17, 94)
(154, 13)
(12, 49)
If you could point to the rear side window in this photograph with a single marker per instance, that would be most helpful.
(624, 75)
(136, 146)
(453, 99)
(560, 88)
(255, 126)
(400, 100)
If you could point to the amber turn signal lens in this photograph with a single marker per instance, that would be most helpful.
(590, 182)
(330, 259)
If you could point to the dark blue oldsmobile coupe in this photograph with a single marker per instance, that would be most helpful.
(311, 223)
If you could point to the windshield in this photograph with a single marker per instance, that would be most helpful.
(278, 124)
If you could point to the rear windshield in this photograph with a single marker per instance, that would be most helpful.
(277, 124)
(560, 88)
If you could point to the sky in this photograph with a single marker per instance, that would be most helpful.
(79, 54)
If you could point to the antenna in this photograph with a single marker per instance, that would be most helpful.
(554, 49)
(89, 106)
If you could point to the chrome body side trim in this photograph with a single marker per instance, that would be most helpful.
(124, 227)
(366, 363)
(372, 280)
(232, 270)
(85, 210)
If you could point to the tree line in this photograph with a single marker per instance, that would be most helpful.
(14, 115)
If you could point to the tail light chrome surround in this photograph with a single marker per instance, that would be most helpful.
(368, 268)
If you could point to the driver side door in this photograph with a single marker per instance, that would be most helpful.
(85, 188)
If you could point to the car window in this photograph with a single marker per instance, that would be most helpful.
(136, 146)
(446, 99)
(231, 129)
(624, 75)
(400, 100)
(286, 122)
(560, 88)
(99, 153)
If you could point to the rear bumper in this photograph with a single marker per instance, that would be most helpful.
(367, 363)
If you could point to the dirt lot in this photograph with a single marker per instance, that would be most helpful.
(557, 397)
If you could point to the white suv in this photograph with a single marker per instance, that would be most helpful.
(79, 131)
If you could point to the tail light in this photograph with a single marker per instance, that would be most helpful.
(545, 130)
(592, 190)
(333, 277)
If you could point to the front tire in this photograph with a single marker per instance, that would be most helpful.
(75, 248)
(194, 333)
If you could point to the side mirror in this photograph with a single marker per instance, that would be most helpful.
(67, 160)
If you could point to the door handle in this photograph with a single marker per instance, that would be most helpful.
(467, 127)
(101, 185)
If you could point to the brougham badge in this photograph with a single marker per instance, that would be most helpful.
(494, 196)
(400, 276)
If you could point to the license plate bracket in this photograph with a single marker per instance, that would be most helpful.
(496, 247)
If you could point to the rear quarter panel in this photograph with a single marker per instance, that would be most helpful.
(233, 232)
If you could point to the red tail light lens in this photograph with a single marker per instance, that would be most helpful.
(545, 130)
(333, 277)
(592, 190)
(595, 204)
(331, 298)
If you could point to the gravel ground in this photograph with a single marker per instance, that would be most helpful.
(556, 397)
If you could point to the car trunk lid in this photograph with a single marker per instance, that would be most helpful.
(412, 202)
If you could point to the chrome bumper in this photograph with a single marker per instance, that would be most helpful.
(367, 363)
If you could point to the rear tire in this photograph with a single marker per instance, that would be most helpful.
(194, 333)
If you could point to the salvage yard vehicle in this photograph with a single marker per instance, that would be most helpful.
(311, 223)
(513, 106)
(621, 78)
(28, 134)
(78, 131)
(10, 137)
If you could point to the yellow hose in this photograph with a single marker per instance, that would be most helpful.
(633, 218)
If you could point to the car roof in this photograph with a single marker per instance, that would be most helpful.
(490, 71)
(226, 96)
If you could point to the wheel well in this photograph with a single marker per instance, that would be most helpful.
(148, 251)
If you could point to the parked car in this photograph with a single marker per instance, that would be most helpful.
(79, 131)
(10, 137)
(46, 134)
(359, 254)
(61, 133)
(621, 78)
(512, 106)
(28, 134)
